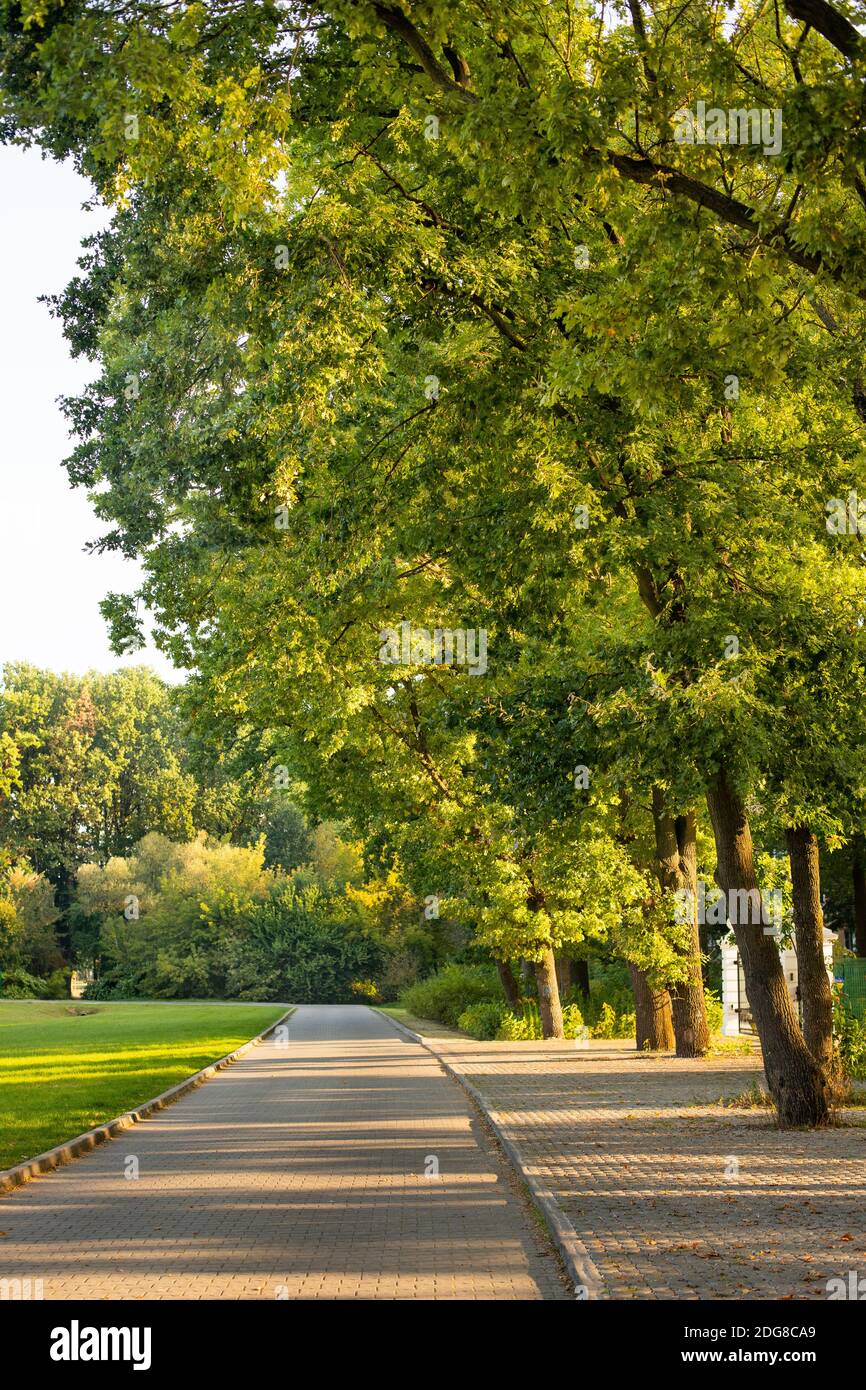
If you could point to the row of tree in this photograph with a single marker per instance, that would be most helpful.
(422, 318)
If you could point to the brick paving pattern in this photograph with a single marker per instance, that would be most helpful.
(675, 1198)
(299, 1172)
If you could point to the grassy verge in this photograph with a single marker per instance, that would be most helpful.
(66, 1066)
(719, 1047)
(426, 1026)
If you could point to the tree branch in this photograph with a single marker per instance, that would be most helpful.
(836, 29)
(394, 19)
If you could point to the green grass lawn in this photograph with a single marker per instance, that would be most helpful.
(62, 1072)
(428, 1027)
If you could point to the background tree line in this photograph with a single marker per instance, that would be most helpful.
(127, 852)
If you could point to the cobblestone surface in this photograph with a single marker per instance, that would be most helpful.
(299, 1172)
(673, 1196)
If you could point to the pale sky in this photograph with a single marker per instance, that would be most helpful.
(49, 588)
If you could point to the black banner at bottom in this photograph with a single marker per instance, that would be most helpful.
(217, 1338)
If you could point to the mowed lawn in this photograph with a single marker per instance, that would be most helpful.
(62, 1071)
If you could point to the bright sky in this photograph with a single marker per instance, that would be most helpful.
(49, 588)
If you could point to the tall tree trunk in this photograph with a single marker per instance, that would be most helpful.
(527, 974)
(858, 875)
(580, 976)
(677, 868)
(548, 996)
(815, 992)
(794, 1078)
(509, 984)
(564, 973)
(655, 1031)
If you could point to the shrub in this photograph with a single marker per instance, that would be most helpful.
(526, 1025)
(715, 1012)
(401, 971)
(291, 950)
(492, 1019)
(572, 1022)
(445, 995)
(849, 1034)
(609, 984)
(521, 1027)
(20, 984)
(365, 990)
(482, 1020)
(612, 1024)
(106, 987)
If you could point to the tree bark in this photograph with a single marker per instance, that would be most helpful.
(655, 1031)
(794, 1078)
(677, 868)
(548, 996)
(858, 876)
(509, 984)
(815, 992)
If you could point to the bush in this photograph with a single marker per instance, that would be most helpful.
(291, 950)
(849, 1035)
(609, 983)
(526, 1025)
(715, 1012)
(20, 984)
(447, 994)
(572, 1022)
(401, 971)
(522, 1027)
(106, 987)
(365, 991)
(490, 1019)
(611, 1024)
(482, 1020)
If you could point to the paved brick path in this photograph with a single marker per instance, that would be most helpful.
(298, 1172)
(673, 1199)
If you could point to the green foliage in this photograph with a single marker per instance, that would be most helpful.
(290, 947)
(491, 1019)
(27, 915)
(365, 991)
(526, 1025)
(715, 1011)
(335, 860)
(287, 838)
(447, 994)
(522, 1027)
(610, 999)
(482, 1020)
(469, 997)
(100, 763)
(849, 1035)
(207, 919)
(573, 1022)
(18, 983)
(610, 1024)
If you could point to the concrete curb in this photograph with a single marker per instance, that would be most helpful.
(64, 1153)
(578, 1261)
